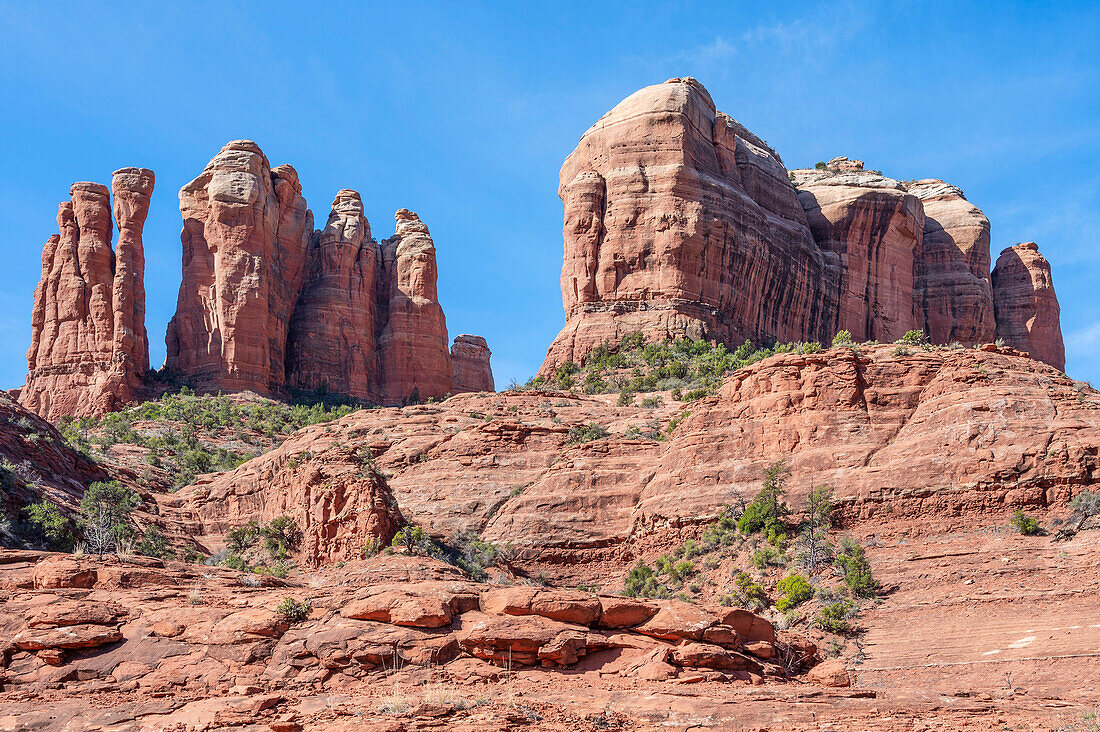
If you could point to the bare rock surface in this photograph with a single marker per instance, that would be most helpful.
(89, 352)
(470, 365)
(1027, 308)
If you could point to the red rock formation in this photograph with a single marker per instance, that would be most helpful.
(333, 331)
(1027, 308)
(679, 221)
(246, 231)
(413, 344)
(89, 352)
(875, 228)
(470, 363)
(954, 285)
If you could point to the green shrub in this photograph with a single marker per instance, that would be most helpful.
(842, 338)
(794, 590)
(414, 540)
(587, 432)
(1086, 504)
(642, 581)
(820, 165)
(470, 553)
(853, 563)
(292, 611)
(767, 556)
(913, 338)
(47, 520)
(748, 592)
(153, 544)
(834, 616)
(1025, 524)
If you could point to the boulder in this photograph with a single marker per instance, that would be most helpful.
(830, 673)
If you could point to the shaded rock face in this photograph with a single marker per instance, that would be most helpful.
(1026, 306)
(413, 344)
(874, 228)
(333, 331)
(89, 351)
(246, 230)
(470, 365)
(954, 287)
(679, 221)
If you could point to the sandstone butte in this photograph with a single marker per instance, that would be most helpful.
(681, 222)
(89, 352)
(266, 304)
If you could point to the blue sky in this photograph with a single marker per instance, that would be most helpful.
(464, 112)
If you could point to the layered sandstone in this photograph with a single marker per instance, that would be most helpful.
(470, 364)
(874, 227)
(416, 363)
(89, 351)
(879, 426)
(1027, 308)
(333, 332)
(246, 230)
(679, 221)
(954, 287)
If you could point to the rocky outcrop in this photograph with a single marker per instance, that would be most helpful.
(89, 352)
(470, 365)
(954, 287)
(246, 230)
(333, 332)
(1026, 306)
(679, 221)
(874, 228)
(267, 304)
(416, 363)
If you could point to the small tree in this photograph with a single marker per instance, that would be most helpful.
(1025, 524)
(767, 511)
(853, 565)
(105, 515)
(842, 338)
(815, 535)
(48, 520)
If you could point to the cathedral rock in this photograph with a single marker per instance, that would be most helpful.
(681, 222)
(89, 353)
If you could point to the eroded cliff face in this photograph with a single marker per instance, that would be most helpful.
(470, 365)
(1027, 308)
(246, 230)
(335, 324)
(679, 221)
(416, 363)
(267, 304)
(89, 352)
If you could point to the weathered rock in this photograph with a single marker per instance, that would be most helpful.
(705, 655)
(830, 673)
(89, 352)
(246, 230)
(625, 612)
(578, 608)
(954, 287)
(874, 227)
(525, 641)
(416, 363)
(470, 365)
(678, 620)
(679, 221)
(333, 332)
(340, 503)
(1026, 306)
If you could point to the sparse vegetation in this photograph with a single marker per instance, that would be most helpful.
(587, 432)
(794, 590)
(835, 615)
(46, 520)
(1025, 524)
(851, 560)
(766, 513)
(293, 611)
(105, 512)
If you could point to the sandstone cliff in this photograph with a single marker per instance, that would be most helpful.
(1027, 308)
(246, 229)
(681, 222)
(268, 304)
(89, 351)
